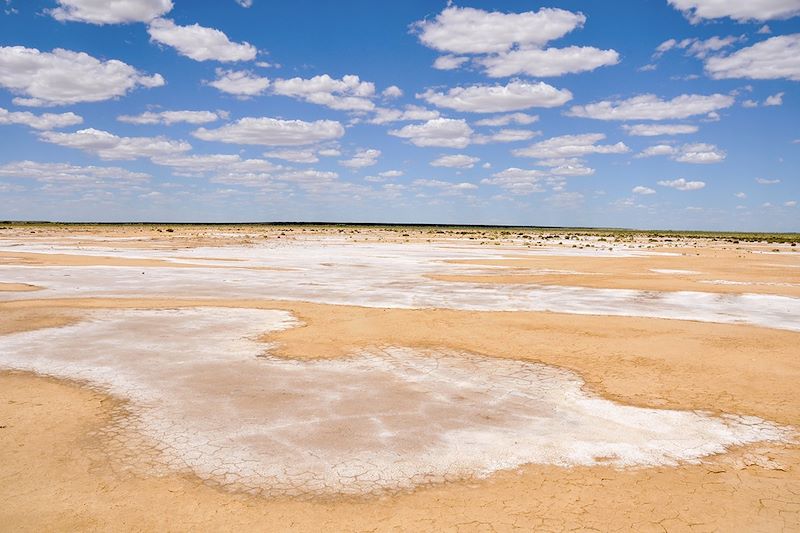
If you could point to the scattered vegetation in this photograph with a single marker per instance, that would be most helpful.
(491, 233)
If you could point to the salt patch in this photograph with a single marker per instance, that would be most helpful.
(222, 407)
(387, 275)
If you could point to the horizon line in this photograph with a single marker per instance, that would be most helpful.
(394, 224)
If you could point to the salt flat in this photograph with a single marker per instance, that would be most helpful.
(372, 376)
(332, 270)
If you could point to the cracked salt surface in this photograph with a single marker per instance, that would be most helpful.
(388, 275)
(216, 403)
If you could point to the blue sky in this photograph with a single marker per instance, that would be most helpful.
(674, 114)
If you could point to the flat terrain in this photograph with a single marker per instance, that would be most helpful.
(351, 378)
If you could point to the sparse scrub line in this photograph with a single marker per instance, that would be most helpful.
(486, 232)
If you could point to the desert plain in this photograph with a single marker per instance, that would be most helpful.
(356, 378)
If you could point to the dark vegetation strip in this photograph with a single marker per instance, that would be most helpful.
(463, 229)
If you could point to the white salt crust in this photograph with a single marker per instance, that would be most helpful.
(387, 275)
(216, 403)
(731, 282)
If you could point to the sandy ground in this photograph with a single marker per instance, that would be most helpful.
(58, 472)
(41, 259)
(689, 269)
(18, 287)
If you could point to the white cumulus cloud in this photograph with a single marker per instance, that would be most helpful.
(199, 43)
(240, 83)
(510, 44)
(682, 184)
(514, 96)
(465, 30)
(774, 100)
(393, 91)
(510, 118)
(391, 173)
(362, 158)
(700, 153)
(349, 93)
(651, 107)
(699, 48)
(566, 146)
(570, 166)
(385, 115)
(455, 161)
(63, 77)
(109, 146)
(519, 181)
(548, 62)
(170, 117)
(741, 11)
(775, 58)
(229, 168)
(444, 132)
(295, 156)
(655, 130)
(72, 175)
(696, 153)
(449, 62)
(45, 121)
(641, 189)
(507, 135)
(110, 11)
(656, 150)
(273, 132)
